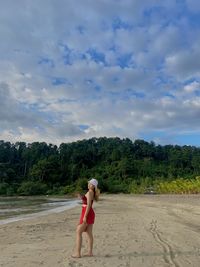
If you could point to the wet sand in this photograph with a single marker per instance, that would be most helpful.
(130, 230)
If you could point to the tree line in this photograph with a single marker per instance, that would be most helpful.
(120, 165)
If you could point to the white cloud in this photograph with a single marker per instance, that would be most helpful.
(184, 64)
(192, 87)
(51, 84)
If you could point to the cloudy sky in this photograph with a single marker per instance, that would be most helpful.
(72, 70)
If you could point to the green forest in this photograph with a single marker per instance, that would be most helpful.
(120, 166)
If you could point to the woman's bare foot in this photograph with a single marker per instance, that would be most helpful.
(88, 255)
(76, 256)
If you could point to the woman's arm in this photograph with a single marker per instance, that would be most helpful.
(79, 195)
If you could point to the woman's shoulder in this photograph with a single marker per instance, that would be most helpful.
(90, 193)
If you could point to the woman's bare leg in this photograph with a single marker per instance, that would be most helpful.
(90, 239)
(80, 229)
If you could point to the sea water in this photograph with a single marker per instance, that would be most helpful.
(21, 208)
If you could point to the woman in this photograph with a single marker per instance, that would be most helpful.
(87, 218)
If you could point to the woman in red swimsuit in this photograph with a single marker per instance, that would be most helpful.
(87, 218)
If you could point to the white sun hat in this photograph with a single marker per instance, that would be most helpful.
(93, 182)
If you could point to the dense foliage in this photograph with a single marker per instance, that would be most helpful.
(120, 165)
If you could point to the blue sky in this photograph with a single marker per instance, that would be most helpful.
(72, 70)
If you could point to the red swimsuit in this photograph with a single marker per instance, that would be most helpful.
(91, 214)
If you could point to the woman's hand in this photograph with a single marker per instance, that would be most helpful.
(78, 195)
(84, 220)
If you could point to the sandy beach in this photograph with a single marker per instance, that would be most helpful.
(130, 230)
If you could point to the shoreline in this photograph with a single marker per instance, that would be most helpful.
(130, 230)
(70, 205)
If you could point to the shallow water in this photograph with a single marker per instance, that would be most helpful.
(19, 208)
